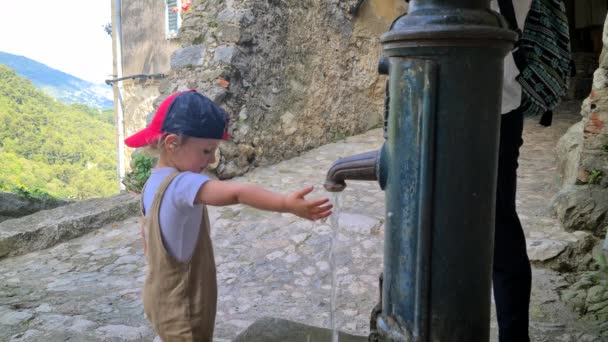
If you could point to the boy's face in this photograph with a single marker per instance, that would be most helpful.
(195, 154)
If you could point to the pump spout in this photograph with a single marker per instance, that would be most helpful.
(358, 167)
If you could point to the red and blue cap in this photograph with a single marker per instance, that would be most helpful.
(186, 113)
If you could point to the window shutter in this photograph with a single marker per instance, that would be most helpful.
(173, 20)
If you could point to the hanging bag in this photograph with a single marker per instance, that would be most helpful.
(542, 54)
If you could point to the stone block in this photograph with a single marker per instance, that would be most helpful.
(545, 249)
(276, 329)
(224, 54)
(216, 93)
(228, 33)
(229, 15)
(188, 57)
(15, 206)
(50, 227)
(583, 207)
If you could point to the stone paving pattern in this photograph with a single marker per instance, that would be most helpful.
(269, 264)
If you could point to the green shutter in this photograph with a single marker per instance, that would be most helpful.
(173, 19)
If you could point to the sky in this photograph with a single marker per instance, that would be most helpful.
(66, 35)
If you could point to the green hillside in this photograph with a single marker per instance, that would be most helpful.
(44, 144)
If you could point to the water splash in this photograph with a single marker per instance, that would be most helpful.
(337, 199)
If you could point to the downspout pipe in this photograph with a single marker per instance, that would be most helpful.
(118, 91)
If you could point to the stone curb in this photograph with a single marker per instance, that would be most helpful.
(13, 206)
(47, 228)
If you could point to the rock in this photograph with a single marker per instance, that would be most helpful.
(230, 170)
(11, 317)
(581, 337)
(216, 93)
(288, 124)
(228, 32)
(243, 114)
(312, 60)
(50, 227)
(563, 251)
(243, 130)
(224, 54)
(545, 249)
(231, 15)
(14, 205)
(123, 332)
(246, 151)
(44, 308)
(600, 307)
(188, 57)
(29, 335)
(583, 207)
(547, 326)
(229, 149)
(568, 154)
(583, 159)
(597, 294)
(600, 79)
(165, 86)
(279, 330)
(210, 74)
(576, 299)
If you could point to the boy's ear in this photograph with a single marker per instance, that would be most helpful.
(171, 142)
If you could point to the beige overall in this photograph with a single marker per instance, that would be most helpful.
(180, 298)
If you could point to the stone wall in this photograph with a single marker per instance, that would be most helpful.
(292, 74)
(138, 100)
(15, 206)
(582, 204)
(145, 51)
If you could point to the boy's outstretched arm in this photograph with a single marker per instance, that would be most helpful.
(219, 193)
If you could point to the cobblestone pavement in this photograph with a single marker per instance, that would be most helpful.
(88, 289)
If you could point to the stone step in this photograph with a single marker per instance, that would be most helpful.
(49, 227)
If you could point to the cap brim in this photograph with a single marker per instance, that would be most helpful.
(142, 138)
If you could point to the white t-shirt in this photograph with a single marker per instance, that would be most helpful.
(180, 218)
(511, 89)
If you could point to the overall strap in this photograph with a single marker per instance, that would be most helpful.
(162, 188)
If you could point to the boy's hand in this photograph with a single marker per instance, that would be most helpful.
(308, 209)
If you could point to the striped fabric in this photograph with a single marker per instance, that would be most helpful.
(545, 47)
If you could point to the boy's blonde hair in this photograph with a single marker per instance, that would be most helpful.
(155, 149)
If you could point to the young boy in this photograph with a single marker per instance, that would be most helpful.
(180, 291)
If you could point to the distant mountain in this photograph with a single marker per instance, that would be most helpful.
(63, 87)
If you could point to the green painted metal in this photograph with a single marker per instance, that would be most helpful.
(446, 62)
(438, 168)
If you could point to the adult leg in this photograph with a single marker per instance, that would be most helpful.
(512, 276)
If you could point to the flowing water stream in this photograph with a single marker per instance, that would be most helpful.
(337, 199)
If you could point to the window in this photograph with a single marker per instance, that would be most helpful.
(173, 18)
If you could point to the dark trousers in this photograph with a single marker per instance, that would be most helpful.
(512, 276)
